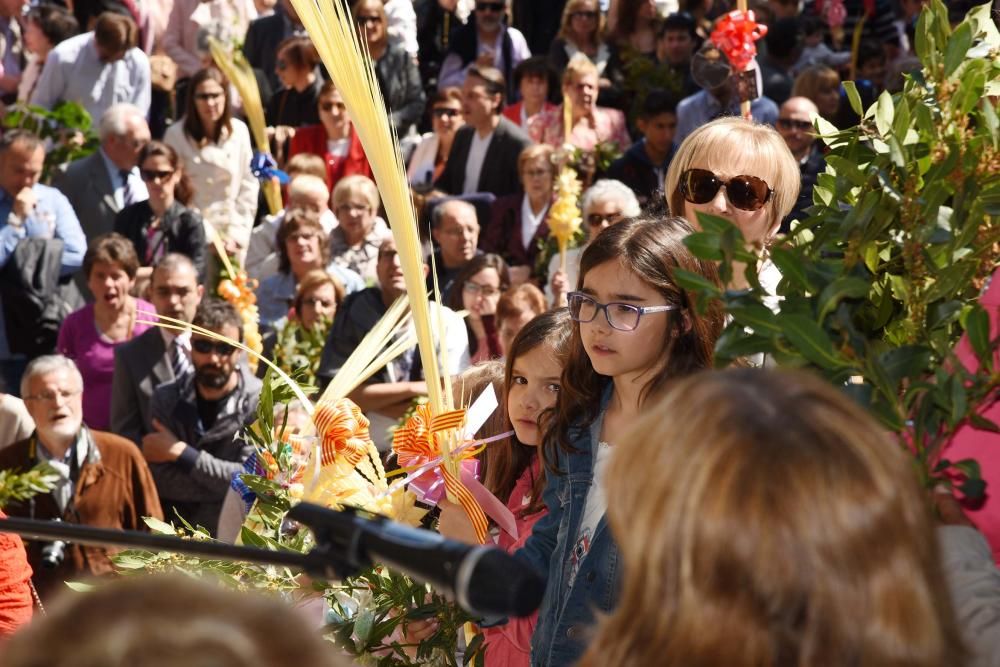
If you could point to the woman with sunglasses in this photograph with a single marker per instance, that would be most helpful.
(741, 171)
(605, 203)
(216, 153)
(431, 155)
(397, 72)
(163, 223)
(295, 104)
(333, 139)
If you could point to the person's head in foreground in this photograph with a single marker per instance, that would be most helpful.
(169, 621)
(764, 518)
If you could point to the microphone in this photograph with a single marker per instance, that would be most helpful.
(485, 581)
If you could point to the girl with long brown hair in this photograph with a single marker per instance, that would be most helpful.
(513, 470)
(763, 518)
(635, 332)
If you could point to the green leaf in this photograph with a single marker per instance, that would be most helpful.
(704, 245)
(159, 527)
(846, 287)
(792, 267)
(695, 282)
(884, 113)
(958, 46)
(80, 587)
(757, 317)
(811, 340)
(977, 327)
(853, 97)
(908, 361)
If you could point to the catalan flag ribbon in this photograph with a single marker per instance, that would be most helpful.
(416, 442)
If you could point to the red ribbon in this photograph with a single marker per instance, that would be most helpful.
(735, 34)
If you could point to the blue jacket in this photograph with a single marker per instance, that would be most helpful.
(567, 611)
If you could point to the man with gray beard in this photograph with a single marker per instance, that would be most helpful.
(195, 450)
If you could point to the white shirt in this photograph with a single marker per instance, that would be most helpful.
(530, 222)
(474, 165)
(402, 24)
(453, 72)
(139, 191)
(593, 511)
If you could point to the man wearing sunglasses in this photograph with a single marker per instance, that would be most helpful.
(485, 41)
(795, 125)
(194, 451)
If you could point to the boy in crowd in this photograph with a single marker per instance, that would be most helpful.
(644, 165)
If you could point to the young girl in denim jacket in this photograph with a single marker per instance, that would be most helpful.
(635, 332)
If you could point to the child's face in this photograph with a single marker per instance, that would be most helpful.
(635, 355)
(659, 131)
(814, 39)
(510, 326)
(534, 388)
(534, 88)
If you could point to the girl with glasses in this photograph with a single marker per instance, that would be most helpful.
(741, 171)
(162, 224)
(477, 289)
(333, 138)
(635, 334)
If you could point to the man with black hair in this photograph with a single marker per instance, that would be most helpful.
(776, 63)
(643, 167)
(487, 139)
(676, 42)
(195, 450)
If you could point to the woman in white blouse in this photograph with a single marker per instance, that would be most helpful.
(216, 151)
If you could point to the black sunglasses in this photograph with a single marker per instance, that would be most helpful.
(441, 112)
(204, 346)
(367, 20)
(151, 175)
(584, 14)
(791, 123)
(748, 193)
(490, 7)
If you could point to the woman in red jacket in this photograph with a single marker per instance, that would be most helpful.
(334, 139)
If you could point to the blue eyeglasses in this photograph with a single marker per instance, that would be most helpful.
(621, 316)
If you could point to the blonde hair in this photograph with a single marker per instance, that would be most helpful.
(356, 183)
(578, 66)
(780, 526)
(812, 81)
(574, 6)
(307, 184)
(737, 144)
(168, 621)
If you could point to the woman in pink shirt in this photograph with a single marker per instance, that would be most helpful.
(514, 471)
(90, 335)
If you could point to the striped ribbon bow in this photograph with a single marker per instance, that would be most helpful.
(343, 430)
(416, 443)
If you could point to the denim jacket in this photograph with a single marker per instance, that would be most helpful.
(567, 612)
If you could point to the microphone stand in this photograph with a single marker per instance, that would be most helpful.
(333, 557)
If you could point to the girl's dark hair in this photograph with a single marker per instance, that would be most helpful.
(55, 22)
(627, 19)
(299, 52)
(111, 248)
(506, 461)
(184, 191)
(192, 122)
(652, 248)
(486, 261)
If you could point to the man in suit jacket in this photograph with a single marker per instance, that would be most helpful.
(484, 154)
(103, 183)
(149, 360)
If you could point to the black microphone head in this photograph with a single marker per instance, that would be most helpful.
(492, 582)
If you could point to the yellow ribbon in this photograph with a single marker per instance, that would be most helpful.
(416, 440)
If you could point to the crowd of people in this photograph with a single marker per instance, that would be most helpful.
(674, 517)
